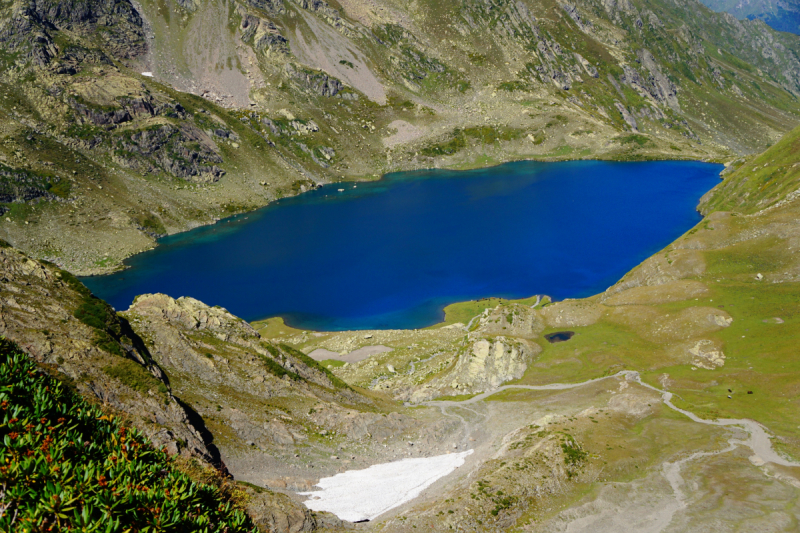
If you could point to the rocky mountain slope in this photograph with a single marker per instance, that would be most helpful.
(123, 121)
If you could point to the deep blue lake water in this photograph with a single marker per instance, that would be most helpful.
(393, 253)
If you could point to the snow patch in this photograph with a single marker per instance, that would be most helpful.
(359, 495)
(148, 74)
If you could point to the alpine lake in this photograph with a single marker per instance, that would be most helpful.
(392, 253)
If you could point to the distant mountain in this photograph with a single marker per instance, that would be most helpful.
(782, 15)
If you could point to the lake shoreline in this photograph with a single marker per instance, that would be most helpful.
(394, 252)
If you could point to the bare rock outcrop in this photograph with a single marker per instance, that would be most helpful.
(276, 512)
(184, 151)
(487, 364)
(514, 320)
(498, 350)
(263, 34)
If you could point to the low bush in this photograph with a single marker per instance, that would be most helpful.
(66, 466)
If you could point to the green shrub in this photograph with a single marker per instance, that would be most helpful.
(446, 148)
(95, 313)
(60, 188)
(634, 138)
(275, 352)
(511, 86)
(151, 223)
(101, 317)
(573, 454)
(67, 466)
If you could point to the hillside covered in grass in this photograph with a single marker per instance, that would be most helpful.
(759, 182)
(67, 466)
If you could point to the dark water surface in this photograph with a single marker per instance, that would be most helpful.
(392, 253)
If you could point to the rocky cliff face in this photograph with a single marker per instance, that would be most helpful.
(498, 350)
(30, 27)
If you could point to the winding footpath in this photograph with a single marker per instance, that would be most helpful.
(758, 441)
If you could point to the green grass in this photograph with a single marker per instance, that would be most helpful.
(762, 181)
(67, 466)
(594, 351)
(335, 381)
(135, 376)
(335, 363)
(463, 312)
(761, 355)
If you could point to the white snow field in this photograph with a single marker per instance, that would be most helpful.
(359, 495)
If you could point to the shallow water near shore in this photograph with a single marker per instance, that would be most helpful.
(393, 253)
